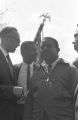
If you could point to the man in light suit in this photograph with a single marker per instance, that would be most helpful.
(9, 92)
(29, 54)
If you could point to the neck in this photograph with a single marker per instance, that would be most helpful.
(28, 63)
(52, 61)
(4, 47)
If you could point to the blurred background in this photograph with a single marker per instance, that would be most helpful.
(25, 16)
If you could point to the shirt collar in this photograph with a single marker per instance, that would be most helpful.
(52, 65)
(3, 51)
(55, 62)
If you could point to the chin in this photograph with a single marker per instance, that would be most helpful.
(49, 61)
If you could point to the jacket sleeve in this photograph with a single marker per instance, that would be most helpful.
(6, 92)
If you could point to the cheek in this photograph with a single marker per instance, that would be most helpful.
(46, 53)
(49, 54)
(12, 44)
(76, 47)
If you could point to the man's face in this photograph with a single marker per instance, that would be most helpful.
(76, 43)
(49, 52)
(30, 54)
(12, 42)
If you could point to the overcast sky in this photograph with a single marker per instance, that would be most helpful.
(24, 14)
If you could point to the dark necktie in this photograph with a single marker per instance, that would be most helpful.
(28, 76)
(10, 64)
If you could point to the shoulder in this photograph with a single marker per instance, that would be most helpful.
(66, 63)
(69, 67)
(72, 73)
(17, 66)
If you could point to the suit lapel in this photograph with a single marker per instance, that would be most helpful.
(4, 62)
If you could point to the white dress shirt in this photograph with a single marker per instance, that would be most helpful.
(22, 78)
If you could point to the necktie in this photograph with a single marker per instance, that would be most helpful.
(10, 64)
(28, 76)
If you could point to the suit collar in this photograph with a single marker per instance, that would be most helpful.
(53, 65)
(4, 62)
(3, 51)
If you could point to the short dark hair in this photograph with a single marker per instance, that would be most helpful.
(54, 41)
(25, 46)
(7, 30)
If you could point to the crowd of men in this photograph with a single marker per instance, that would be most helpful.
(36, 90)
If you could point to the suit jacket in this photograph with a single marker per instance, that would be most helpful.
(28, 107)
(53, 95)
(7, 99)
(25, 110)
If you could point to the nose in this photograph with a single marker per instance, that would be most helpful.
(73, 42)
(18, 43)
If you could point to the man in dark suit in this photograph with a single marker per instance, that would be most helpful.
(54, 98)
(9, 92)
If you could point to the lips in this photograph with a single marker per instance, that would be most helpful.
(46, 54)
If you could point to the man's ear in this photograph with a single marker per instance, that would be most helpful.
(58, 49)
